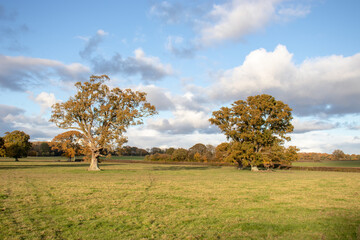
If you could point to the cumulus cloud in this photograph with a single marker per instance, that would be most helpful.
(231, 20)
(18, 73)
(303, 126)
(44, 99)
(145, 137)
(157, 96)
(235, 19)
(323, 85)
(148, 67)
(13, 118)
(326, 142)
(184, 121)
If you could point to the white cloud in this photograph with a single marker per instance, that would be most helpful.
(233, 20)
(145, 137)
(323, 85)
(158, 97)
(39, 129)
(45, 100)
(149, 66)
(17, 73)
(302, 126)
(326, 141)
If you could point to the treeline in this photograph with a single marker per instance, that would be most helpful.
(223, 153)
(197, 153)
(337, 154)
(47, 149)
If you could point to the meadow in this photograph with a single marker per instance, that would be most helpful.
(352, 163)
(61, 200)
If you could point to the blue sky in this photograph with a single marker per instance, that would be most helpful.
(191, 57)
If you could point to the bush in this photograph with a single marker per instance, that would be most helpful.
(158, 157)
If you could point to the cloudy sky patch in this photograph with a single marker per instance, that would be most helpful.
(191, 58)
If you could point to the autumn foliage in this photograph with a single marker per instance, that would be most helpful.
(70, 143)
(256, 129)
(101, 114)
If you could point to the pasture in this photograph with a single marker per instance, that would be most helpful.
(353, 163)
(61, 200)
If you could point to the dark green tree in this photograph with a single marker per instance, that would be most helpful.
(16, 144)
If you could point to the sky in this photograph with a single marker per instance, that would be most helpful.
(191, 58)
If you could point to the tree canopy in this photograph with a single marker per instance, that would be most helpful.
(101, 114)
(70, 143)
(2, 147)
(254, 127)
(16, 144)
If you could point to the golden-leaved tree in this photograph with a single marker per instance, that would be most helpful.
(70, 143)
(255, 127)
(101, 114)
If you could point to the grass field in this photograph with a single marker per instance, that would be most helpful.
(328, 164)
(59, 200)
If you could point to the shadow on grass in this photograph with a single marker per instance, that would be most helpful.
(178, 168)
(55, 165)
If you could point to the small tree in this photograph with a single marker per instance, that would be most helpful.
(16, 144)
(253, 125)
(2, 147)
(198, 148)
(68, 142)
(179, 155)
(45, 149)
(338, 154)
(101, 114)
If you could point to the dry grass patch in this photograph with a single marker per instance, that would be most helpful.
(144, 201)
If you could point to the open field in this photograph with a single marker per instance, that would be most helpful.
(60, 200)
(328, 164)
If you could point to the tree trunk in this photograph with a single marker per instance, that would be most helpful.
(16, 159)
(94, 163)
(254, 168)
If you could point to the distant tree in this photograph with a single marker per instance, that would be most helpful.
(338, 154)
(156, 150)
(252, 125)
(2, 147)
(16, 144)
(70, 143)
(197, 148)
(210, 153)
(179, 155)
(45, 149)
(170, 151)
(101, 114)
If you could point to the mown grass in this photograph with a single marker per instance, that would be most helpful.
(59, 200)
(354, 163)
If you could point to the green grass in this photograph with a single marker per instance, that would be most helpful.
(60, 200)
(127, 157)
(328, 164)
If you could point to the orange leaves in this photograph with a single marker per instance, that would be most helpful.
(101, 114)
(259, 122)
